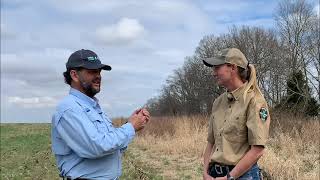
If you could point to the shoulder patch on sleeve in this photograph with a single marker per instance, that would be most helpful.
(263, 114)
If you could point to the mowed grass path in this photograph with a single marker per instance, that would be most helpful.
(26, 154)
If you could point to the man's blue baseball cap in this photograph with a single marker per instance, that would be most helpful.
(86, 59)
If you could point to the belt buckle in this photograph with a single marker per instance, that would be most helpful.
(218, 169)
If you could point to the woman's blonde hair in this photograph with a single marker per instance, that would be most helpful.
(252, 81)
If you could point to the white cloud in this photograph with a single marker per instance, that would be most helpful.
(33, 102)
(125, 31)
(143, 41)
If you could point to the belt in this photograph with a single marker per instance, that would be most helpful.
(219, 170)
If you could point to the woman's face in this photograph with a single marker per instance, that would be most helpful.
(222, 74)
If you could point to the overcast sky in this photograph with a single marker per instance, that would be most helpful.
(143, 41)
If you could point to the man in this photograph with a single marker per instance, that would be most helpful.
(239, 123)
(84, 141)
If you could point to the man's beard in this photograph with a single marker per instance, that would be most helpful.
(88, 88)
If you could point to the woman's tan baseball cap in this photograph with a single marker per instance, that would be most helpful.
(227, 56)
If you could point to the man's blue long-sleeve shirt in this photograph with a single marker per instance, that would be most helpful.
(84, 141)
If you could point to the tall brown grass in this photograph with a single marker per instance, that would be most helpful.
(176, 145)
(294, 148)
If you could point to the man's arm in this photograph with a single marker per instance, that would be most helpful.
(83, 138)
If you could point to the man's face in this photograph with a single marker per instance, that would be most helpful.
(89, 81)
(222, 74)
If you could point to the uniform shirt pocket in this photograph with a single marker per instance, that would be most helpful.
(108, 121)
(236, 130)
(98, 122)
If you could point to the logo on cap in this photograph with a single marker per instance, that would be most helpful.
(92, 58)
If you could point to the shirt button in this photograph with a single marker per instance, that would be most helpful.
(217, 149)
(229, 106)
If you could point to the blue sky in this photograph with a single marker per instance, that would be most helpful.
(143, 41)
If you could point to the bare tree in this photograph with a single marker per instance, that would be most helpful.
(289, 58)
(294, 22)
(262, 49)
(313, 53)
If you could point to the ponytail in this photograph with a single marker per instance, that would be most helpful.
(252, 81)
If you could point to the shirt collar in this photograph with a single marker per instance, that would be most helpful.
(236, 94)
(88, 100)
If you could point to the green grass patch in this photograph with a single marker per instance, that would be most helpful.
(26, 154)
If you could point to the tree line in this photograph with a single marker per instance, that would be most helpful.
(287, 59)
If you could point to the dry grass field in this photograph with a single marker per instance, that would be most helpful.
(168, 148)
(175, 147)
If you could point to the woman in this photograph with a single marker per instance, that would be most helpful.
(239, 123)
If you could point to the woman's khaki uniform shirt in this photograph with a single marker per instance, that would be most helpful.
(236, 123)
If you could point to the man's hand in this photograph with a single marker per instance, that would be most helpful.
(139, 118)
(146, 113)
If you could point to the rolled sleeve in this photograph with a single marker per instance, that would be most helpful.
(258, 129)
(81, 135)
